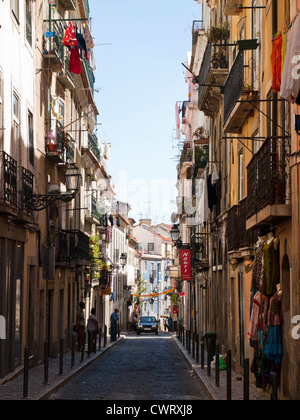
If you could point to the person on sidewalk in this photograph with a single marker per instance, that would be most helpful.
(92, 327)
(80, 325)
(114, 318)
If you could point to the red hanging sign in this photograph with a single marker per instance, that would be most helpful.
(185, 258)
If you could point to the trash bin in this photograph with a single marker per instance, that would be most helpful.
(213, 337)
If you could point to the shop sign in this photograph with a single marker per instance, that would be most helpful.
(185, 259)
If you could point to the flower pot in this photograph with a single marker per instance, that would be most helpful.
(51, 147)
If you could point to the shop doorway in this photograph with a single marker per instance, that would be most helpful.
(286, 314)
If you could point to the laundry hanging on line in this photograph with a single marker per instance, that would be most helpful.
(80, 44)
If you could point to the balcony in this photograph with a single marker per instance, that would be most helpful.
(198, 29)
(72, 249)
(92, 210)
(65, 77)
(8, 180)
(68, 4)
(16, 189)
(237, 107)
(90, 152)
(267, 182)
(239, 240)
(26, 190)
(56, 145)
(200, 250)
(54, 49)
(84, 86)
(231, 7)
(212, 74)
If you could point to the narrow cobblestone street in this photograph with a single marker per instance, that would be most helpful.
(138, 368)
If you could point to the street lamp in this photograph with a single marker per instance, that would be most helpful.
(72, 177)
(39, 202)
(123, 260)
(175, 233)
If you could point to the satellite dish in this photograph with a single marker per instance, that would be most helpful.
(174, 217)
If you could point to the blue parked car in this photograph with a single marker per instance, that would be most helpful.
(147, 324)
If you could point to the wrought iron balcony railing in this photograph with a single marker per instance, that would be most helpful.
(199, 249)
(234, 85)
(26, 190)
(237, 235)
(8, 180)
(266, 179)
(73, 247)
(93, 146)
(213, 72)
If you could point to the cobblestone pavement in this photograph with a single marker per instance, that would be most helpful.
(146, 367)
(220, 393)
(146, 364)
(13, 389)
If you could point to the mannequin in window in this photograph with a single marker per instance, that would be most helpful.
(257, 268)
(271, 271)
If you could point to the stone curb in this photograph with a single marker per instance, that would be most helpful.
(211, 392)
(74, 372)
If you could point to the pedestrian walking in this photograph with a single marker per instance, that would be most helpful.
(165, 325)
(170, 324)
(135, 322)
(92, 328)
(80, 325)
(114, 318)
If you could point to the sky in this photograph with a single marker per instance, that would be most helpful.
(140, 46)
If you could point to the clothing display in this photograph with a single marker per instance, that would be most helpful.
(75, 63)
(276, 63)
(273, 349)
(290, 81)
(88, 37)
(255, 316)
(257, 268)
(271, 270)
(69, 38)
(80, 43)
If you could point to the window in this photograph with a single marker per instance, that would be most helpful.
(61, 107)
(255, 53)
(255, 142)
(29, 21)
(30, 138)
(241, 175)
(15, 8)
(150, 247)
(269, 113)
(16, 123)
(145, 266)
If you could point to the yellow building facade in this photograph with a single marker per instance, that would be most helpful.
(238, 60)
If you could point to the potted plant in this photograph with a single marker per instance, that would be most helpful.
(219, 33)
(214, 34)
(51, 142)
(247, 89)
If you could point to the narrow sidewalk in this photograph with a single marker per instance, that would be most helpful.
(37, 390)
(220, 393)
